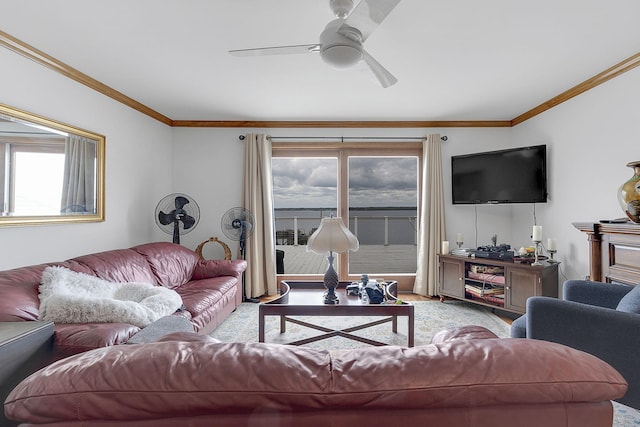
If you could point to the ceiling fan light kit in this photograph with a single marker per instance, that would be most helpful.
(342, 40)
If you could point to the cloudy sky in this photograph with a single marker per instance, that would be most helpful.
(373, 182)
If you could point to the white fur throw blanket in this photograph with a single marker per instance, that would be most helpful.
(70, 297)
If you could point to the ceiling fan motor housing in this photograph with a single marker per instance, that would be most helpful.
(340, 44)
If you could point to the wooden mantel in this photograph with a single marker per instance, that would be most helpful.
(614, 251)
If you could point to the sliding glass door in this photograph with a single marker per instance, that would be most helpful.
(374, 189)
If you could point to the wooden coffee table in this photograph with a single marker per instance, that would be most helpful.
(305, 299)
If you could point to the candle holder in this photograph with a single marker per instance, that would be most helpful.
(551, 253)
(536, 261)
(459, 243)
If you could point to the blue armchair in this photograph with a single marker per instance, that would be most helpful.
(602, 319)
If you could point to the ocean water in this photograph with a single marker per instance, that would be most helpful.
(368, 224)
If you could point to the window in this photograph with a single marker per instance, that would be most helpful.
(23, 168)
(375, 187)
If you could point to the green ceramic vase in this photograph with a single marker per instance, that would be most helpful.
(629, 194)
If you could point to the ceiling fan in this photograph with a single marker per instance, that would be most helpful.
(341, 42)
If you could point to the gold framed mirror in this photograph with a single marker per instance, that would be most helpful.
(50, 172)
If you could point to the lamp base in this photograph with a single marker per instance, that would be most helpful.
(331, 283)
(330, 298)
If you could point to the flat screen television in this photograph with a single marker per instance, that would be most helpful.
(516, 175)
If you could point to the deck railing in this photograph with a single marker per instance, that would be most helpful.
(399, 229)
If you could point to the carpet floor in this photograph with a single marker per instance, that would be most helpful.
(429, 317)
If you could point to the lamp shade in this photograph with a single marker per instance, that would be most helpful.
(332, 236)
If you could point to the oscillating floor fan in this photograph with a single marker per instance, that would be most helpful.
(238, 224)
(177, 214)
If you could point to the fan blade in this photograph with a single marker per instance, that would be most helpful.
(188, 221)
(166, 218)
(277, 50)
(381, 75)
(368, 14)
(248, 228)
(181, 201)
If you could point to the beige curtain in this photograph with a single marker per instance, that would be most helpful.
(260, 276)
(79, 183)
(432, 225)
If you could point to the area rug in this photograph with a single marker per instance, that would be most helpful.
(429, 317)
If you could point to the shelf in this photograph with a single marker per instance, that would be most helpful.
(487, 299)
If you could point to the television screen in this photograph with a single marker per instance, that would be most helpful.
(517, 175)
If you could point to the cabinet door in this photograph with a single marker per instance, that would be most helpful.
(451, 278)
(521, 285)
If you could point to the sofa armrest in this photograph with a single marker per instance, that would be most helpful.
(576, 324)
(214, 268)
(594, 293)
(610, 335)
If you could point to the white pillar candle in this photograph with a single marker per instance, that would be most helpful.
(445, 247)
(551, 244)
(536, 234)
(459, 238)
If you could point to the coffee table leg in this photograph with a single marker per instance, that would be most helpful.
(260, 327)
(410, 330)
(394, 324)
(283, 324)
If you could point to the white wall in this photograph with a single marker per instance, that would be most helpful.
(590, 140)
(208, 166)
(138, 165)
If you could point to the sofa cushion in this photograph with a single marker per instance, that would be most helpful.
(172, 264)
(19, 292)
(73, 338)
(630, 303)
(470, 332)
(188, 337)
(198, 296)
(120, 265)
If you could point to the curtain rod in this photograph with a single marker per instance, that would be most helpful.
(347, 138)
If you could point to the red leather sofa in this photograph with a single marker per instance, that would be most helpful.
(463, 379)
(210, 291)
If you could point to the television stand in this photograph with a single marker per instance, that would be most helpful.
(504, 285)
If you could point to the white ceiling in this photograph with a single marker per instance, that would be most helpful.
(454, 59)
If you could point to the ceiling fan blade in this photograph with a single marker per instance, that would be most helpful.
(368, 14)
(277, 50)
(382, 76)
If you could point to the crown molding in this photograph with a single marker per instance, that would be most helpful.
(620, 68)
(340, 124)
(48, 61)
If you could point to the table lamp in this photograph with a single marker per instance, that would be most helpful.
(332, 236)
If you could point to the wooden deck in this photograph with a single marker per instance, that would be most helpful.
(376, 259)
